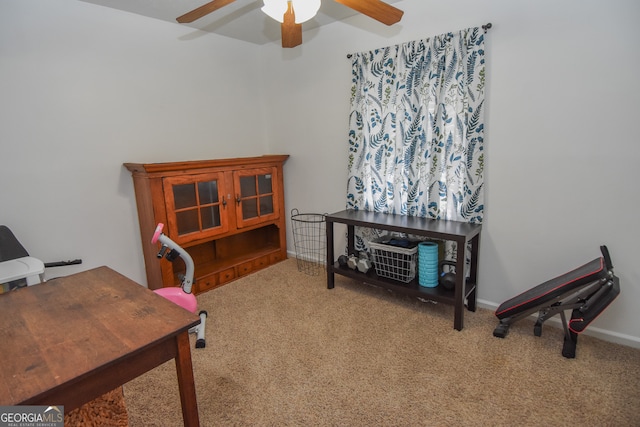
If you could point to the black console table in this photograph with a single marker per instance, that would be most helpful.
(460, 232)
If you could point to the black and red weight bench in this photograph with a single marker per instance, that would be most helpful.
(587, 291)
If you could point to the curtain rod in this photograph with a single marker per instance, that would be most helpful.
(485, 27)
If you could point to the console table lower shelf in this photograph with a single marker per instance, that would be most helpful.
(412, 288)
(465, 236)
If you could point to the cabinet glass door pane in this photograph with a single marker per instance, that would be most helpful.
(255, 195)
(249, 208)
(184, 196)
(264, 184)
(208, 192)
(195, 206)
(248, 186)
(210, 216)
(187, 221)
(266, 205)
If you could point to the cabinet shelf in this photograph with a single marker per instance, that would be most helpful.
(215, 266)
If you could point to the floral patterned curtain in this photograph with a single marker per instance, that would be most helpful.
(416, 128)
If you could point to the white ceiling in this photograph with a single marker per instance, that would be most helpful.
(242, 19)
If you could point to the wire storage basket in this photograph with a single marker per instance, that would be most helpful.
(395, 258)
(309, 240)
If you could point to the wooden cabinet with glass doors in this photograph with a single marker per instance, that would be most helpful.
(228, 214)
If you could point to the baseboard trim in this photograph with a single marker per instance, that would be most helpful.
(603, 334)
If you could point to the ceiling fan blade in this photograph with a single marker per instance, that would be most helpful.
(291, 32)
(376, 9)
(203, 10)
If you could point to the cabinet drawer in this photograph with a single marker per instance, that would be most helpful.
(245, 268)
(226, 275)
(276, 257)
(206, 283)
(261, 262)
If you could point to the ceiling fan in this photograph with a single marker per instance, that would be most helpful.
(292, 13)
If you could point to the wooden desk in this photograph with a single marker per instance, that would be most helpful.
(72, 339)
(460, 232)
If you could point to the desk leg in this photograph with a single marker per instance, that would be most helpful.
(459, 291)
(473, 273)
(330, 256)
(351, 240)
(186, 383)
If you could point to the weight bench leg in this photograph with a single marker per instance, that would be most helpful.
(501, 330)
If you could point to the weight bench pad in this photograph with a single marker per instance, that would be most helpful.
(552, 289)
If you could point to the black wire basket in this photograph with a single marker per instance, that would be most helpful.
(309, 240)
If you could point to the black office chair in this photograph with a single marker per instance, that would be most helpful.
(11, 249)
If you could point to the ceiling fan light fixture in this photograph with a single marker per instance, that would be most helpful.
(303, 9)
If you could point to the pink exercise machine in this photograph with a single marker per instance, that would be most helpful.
(182, 294)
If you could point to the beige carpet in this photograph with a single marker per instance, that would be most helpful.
(282, 350)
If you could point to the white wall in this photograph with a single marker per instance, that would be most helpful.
(85, 88)
(562, 151)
